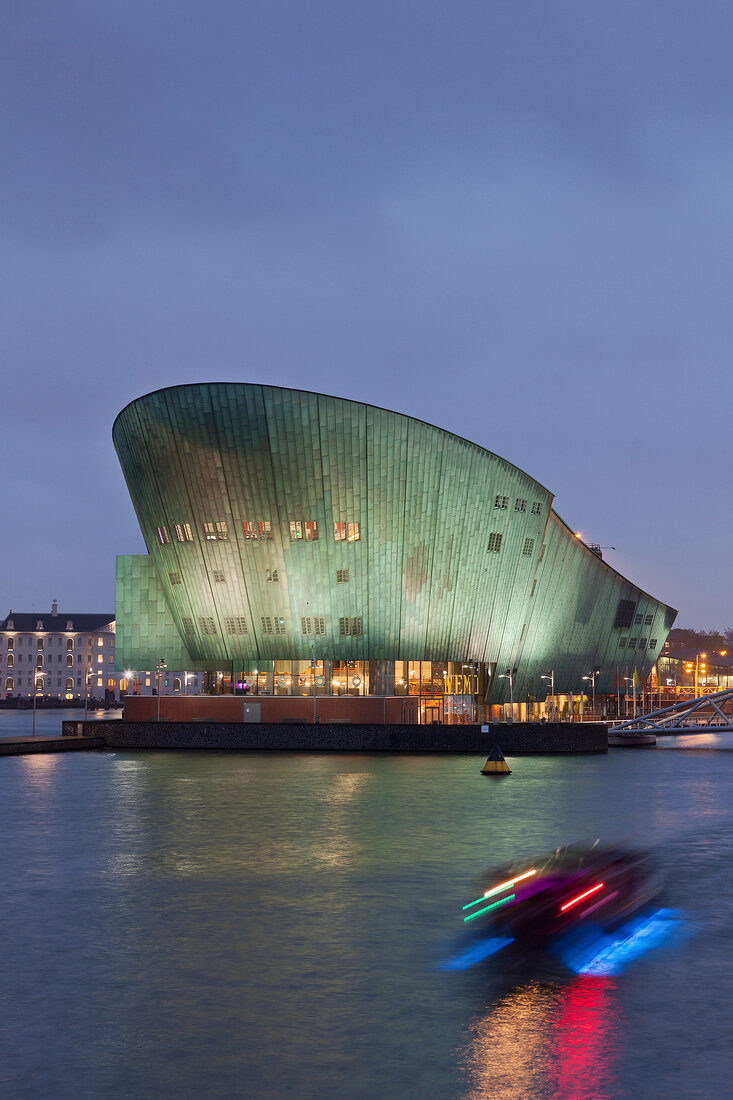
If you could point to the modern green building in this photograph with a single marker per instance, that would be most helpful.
(292, 535)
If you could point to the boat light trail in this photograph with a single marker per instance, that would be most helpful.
(587, 894)
(502, 886)
(494, 905)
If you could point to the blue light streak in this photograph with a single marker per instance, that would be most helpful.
(476, 953)
(604, 953)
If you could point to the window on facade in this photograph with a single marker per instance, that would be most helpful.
(187, 624)
(296, 530)
(638, 620)
(622, 643)
(350, 627)
(520, 505)
(217, 531)
(207, 625)
(250, 529)
(624, 615)
(536, 508)
(272, 624)
(313, 625)
(236, 625)
(311, 530)
(642, 643)
(11, 660)
(495, 542)
(174, 578)
(11, 643)
(69, 660)
(342, 576)
(100, 658)
(162, 536)
(39, 660)
(347, 532)
(218, 575)
(652, 643)
(527, 548)
(648, 620)
(501, 502)
(184, 532)
(39, 643)
(265, 528)
(176, 684)
(272, 575)
(69, 643)
(632, 643)
(9, 684)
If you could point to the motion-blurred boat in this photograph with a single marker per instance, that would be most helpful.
(534, 902)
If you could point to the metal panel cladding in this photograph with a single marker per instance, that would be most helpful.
(284, 524)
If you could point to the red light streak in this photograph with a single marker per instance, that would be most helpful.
(586, 894)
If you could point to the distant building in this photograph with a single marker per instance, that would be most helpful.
(71, 656)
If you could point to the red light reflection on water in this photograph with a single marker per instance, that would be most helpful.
(584, 1036)
(544, 1041)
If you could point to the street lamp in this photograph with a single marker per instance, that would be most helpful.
(551, 678)
(159, 668)
(36, 677)
(592, 679)
(509, 675)
(633, 685)
(88, 675)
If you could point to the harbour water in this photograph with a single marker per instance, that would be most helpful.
(220, 925)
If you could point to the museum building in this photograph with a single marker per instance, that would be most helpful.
(306, 545)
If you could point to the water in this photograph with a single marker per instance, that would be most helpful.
(220, 925)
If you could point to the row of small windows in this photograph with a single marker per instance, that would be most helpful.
(520, 504)
(307, 530)
(40, 642)
(632, 643)
(219, 576)
(10, 685)
(495, 540)
(310, 625)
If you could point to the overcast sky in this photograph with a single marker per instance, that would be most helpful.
(513, 220)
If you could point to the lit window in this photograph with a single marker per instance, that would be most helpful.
(184, 532)
(296, 530)
(501, 502)
(528, 548)
(110, 660)
(250, 529)
(339, 532)
(520, 505)
(11, 660)
(311, 530)
(39, 643)
(354, 534)
(494, 542)
(11, 643)
(100, 658)
(216, 531)
(39, 660)
(69, 643)
(69, 660)
(162, 536)
(265, 529)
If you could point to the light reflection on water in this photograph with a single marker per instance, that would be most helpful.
(269, 925)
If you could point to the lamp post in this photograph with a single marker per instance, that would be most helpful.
(592, 679)
(36, 676)
(159, 668)
(633, 688)
(89, 673)
(551, 678)
(509, 675)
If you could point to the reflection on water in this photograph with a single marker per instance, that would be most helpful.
(545, 1040)
(225, 925)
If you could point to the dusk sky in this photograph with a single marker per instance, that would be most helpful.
(513, 220)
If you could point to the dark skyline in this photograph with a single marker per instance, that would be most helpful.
(509, 220)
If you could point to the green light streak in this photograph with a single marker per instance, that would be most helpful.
(494, 905)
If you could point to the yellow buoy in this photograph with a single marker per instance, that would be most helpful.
(496, 764)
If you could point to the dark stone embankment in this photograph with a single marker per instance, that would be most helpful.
(513, 739)
(21, 746)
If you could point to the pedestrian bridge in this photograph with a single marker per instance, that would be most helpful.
(704, 715)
